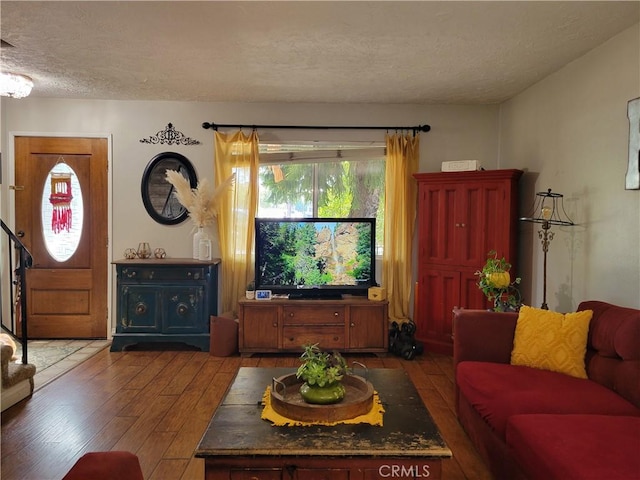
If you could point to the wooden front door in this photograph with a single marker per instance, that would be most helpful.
(66, 232)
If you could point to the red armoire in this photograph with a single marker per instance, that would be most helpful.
(461, 217)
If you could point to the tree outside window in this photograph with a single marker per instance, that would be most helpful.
(309, 184)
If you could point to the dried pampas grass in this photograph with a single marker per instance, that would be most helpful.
(201, 202)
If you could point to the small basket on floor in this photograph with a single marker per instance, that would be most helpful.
(224, 336)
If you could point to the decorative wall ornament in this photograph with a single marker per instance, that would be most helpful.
(632, 180)
(60, 199)
(170, 136)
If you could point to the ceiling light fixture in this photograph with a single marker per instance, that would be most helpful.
(15, 85)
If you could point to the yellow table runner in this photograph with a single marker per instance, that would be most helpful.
(373, 417)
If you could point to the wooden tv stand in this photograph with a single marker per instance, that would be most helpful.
(353, 324)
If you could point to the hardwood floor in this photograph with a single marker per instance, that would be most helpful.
(158, 404)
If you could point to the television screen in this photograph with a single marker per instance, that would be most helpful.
(315, 257)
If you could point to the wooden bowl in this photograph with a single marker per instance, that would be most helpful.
(287, 401)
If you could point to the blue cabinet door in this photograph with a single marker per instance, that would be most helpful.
(185, 309)
(139, 308)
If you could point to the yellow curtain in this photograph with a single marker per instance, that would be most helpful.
(400, 214)
(236, 153)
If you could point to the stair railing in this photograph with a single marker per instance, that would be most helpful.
(17, 278)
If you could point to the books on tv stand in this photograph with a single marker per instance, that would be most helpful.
(319, 295)
(315, 296)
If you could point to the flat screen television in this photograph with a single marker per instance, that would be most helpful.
(315, 257)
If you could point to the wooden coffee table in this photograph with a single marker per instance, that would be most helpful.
(238, 444)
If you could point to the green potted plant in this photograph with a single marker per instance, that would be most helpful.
(250, 292)
(495, 282)
(322, 373)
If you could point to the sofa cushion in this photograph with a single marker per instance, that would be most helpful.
(613, 351)
(615, 330)
(551, 340)
(576, 447)
(498, 391)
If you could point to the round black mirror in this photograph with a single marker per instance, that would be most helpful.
(157, 193)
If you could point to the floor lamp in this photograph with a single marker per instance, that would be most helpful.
(548, 210)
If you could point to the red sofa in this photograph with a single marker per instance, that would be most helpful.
(535, 424)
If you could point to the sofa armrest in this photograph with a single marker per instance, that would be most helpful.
(483, 335)
(6, 353)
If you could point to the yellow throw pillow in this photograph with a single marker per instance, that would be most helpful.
(551, 340)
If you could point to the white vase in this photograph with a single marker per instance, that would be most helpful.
(199, 235)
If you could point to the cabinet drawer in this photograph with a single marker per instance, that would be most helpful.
(255, 474)
(328, 337)
(160, 274)
(321, 474)
(298, 315)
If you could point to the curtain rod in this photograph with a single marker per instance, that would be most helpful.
(215, 126)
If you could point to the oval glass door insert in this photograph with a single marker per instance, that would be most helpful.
(62, 212)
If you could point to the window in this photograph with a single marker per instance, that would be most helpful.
(62, 212)
(320, 180)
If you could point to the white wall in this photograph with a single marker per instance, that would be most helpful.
(571, 131)
(458, 132)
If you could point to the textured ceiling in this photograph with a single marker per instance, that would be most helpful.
(332, 51)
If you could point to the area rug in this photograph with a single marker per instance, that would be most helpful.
(44, 356)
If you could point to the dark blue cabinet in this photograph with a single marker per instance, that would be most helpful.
(168, 300)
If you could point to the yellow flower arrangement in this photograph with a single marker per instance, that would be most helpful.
(201, 202)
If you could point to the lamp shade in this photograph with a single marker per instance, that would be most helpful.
(15, 85)
(549, 209)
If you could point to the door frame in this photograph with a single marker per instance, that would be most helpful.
(10, 160)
